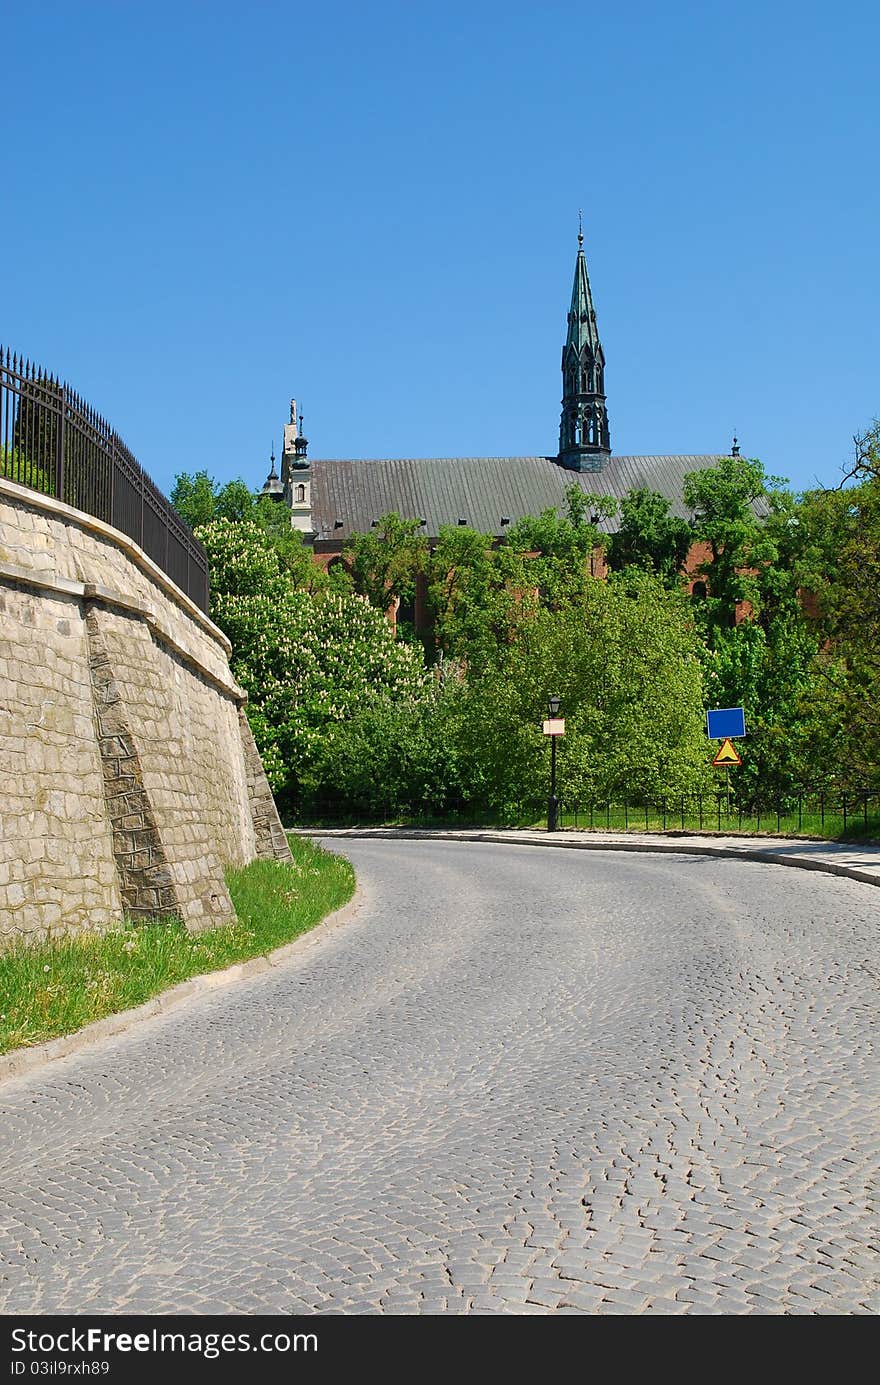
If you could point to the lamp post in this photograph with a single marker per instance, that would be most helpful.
(552, 802)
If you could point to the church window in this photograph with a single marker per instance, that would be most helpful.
(300, 495)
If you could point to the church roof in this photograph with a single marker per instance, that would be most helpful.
(348, 494)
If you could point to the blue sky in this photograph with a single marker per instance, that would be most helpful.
(211, 207)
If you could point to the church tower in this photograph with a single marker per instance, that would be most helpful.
(584, 439)
(296, 473)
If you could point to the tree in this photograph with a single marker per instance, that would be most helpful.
(307, 658)
(194, 497)
(625, 663)
(725, 500)
(559, 551)
(649, 537)
(260, 527)
(199, 499)
(394, 757)
(851, 663)
(385, 562)
(476, 594)
(801, 662)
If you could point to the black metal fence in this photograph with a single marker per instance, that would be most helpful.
(53, 442)
(828, 813)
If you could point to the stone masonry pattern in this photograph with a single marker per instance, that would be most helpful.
(198, 797)
(57, 870)
(147, 886)
(127, 785)
(271, 842)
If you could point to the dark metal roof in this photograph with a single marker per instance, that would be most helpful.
(347, 495)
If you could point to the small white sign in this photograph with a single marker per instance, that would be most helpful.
(556, 727)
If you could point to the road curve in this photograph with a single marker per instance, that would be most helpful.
(520, 1080)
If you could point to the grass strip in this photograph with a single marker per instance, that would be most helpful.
(59, 987)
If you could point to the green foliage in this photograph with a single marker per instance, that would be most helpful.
(200, 500)
(559, 553)
(248, 559)
(307, 662)
(851, 612)
(479, 594)
(38, 474)
(756, 535)
(195, 498)
(344, 711)
(35, 434)
(723, 499)
(476, 595)
(625, 663)
(385, 562)
(769, 672)
(398, 757)
(649, 537)
(307, 655)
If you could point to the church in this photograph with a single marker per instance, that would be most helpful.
(332, 498)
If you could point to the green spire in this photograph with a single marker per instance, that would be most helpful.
(584, 440)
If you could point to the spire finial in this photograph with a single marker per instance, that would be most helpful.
(734, 451)
(580, 227)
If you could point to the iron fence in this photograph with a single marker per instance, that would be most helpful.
(827, 812)
(55, 443)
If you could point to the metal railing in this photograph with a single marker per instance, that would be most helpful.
(828, 813)
(55, 443)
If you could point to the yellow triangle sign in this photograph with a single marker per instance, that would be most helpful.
(728, 754)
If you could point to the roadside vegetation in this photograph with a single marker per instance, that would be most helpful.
(357, 722)
(60, 987)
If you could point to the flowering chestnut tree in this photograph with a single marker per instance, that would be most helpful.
(308, 659)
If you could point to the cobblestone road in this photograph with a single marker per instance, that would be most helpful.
(521, 1080)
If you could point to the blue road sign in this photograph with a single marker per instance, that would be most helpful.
(726, 722)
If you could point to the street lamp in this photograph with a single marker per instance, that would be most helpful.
(553, 704)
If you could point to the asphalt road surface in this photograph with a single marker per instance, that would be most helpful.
(520, 1080)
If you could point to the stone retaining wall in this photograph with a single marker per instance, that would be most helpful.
(128, 775)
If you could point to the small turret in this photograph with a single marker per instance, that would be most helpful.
(273, 486)
(296, 474)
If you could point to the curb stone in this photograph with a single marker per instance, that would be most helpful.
(20, 1061)
(674, 843)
